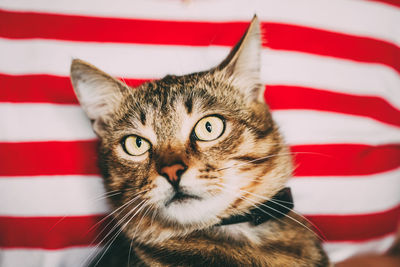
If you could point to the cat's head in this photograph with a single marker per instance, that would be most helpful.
(187, 151)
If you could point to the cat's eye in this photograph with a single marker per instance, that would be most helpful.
(209, 128)
(135, 145)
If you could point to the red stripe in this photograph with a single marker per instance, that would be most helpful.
(357, 227)
(395, 3)
(56, 89)
(36, 89)
(345, 159)
(48, 158)
(79, 157)
(62, 232)
(314, 41)
(41, 88)
(50, 232)
(295, 97)
(23, 25)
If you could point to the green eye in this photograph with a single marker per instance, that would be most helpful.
(135, 145)
(209, 128)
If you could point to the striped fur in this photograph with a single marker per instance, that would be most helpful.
(247, 164)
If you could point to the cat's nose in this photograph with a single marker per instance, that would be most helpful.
(173, 173)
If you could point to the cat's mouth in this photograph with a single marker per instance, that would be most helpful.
(180, 197)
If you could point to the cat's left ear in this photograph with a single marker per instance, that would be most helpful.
(242, 65)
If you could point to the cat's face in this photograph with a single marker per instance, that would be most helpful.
(187, 150)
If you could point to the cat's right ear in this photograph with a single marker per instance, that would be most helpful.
(98, 93)
(242, 65)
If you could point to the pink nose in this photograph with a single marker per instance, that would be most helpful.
(173, 173)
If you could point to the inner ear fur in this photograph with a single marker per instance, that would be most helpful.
(242, 65)
(98, 93)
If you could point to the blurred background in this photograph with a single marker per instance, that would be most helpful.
(332, 76)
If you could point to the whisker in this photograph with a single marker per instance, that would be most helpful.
(283, 201)
(105, 227)
(106, 193)
(123, 80)
(109, 215)
(250, 161)
(275, 201)
(270, 156)
(90, 200)
(107, 196)
(60, 220)
(126, 205)
(130, 249)
(138, 194)
(112, 239)
(247, 200)
(299, 214)
(293, 219)
(122, 228)
(282, 213)
(92, 255)
(108, 245)
(137, 227)
(153, 217)
(140, 221)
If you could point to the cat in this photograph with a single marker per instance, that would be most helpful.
(196, 168)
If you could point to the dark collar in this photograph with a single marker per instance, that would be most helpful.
(278, 207)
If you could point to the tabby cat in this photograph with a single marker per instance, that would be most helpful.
(194, 166)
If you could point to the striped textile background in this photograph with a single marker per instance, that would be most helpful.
(332, 75)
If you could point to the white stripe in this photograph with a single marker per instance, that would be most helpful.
(339, 251)
(144, 61)
(152, 61)
(46, 258)
(333, 74)
(81, 195)
(45, 122)
(347, 194)
(320, 127)
(52, 196)
(356, 17)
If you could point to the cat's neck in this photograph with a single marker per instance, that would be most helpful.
(241, 232)
(247, 227)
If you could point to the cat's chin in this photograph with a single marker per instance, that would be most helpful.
(189, 210)
(190, 205)
(181, 198)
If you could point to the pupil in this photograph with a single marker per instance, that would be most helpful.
(208, 126)
(138, 141)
